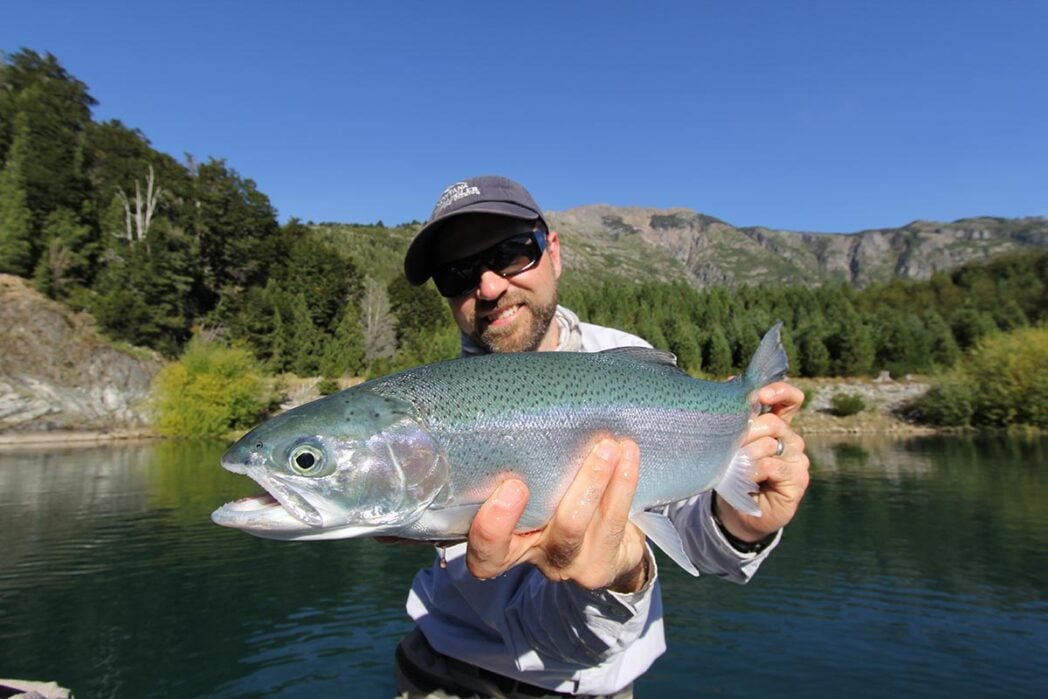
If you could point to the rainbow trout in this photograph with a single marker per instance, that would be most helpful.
(414, 454)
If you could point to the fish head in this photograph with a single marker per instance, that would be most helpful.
(350, 464)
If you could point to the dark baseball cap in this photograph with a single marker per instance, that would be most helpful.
(488, 194)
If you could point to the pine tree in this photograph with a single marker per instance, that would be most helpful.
(682, 342)
(318, 270)
(66, 260)
(717, 353)
(970, 325)
(417, 308)
(51, 111)
(814, 358)
(237, 228)
(305, 340)
(1010, 316)
(648, 329)
(344, 355)
(745, 338)
(155, 282)
(16, 227)
(278, 351)
(944, 352)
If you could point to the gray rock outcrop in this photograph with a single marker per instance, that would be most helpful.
(58, 373)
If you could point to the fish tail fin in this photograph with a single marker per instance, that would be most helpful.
(769, 362)
(737, 486)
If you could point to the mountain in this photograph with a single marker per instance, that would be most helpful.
(639, 243)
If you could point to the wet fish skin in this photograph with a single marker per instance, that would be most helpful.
(414, 454)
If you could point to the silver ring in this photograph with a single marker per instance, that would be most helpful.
(780, 447)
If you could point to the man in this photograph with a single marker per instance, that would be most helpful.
(573, 608)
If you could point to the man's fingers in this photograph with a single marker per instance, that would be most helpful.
(491, 533)
(567, 531)
(767, 425)
(783, 399)
(618, 498)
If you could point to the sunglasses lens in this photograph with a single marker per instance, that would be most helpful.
(511, 256)
(457, 279)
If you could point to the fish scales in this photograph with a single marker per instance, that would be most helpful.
(536, 417)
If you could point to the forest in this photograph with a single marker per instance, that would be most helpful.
(161, 251)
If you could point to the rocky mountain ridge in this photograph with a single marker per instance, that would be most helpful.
(671, 244)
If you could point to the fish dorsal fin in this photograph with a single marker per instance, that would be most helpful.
(644, 354)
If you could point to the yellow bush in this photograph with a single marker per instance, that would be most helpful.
(211, 390)
(1007, 372)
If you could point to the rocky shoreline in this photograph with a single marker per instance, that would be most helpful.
(72, 438)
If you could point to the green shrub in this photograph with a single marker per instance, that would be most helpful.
(809, 397)
(1007, 373)
(209, 391)
(845, 404)
(326, 387)
(948, 403)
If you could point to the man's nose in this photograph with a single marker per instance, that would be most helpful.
(491, 285)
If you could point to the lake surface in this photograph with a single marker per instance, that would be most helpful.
(915, 568)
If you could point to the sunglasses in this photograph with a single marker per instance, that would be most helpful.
(512, 256)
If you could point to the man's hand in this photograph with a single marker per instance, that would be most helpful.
(782, 478)
(589, 539)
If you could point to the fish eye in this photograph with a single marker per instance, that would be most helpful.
(306, 460)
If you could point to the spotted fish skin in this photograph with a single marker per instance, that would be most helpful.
(414, 454)
(535, 416)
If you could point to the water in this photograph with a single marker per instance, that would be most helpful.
(915, 568)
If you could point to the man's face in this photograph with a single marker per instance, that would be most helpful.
(513, 314)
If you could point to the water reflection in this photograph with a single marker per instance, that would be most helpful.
(915, 567)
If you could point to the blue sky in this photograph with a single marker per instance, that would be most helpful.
(830, 116)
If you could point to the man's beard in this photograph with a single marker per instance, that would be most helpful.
(517, 339)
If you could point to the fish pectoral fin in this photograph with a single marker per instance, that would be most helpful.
(737, 486)
(663, 534)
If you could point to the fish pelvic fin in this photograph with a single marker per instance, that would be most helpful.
(663, 534)
(737, 486)
(769, 362)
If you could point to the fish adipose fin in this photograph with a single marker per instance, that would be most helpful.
(769, 362)
(663, 534)
(737, 485)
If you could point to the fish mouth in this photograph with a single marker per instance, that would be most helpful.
(238, 514)
(279, 510)
(264, 516)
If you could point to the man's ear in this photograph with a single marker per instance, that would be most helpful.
(553, 250)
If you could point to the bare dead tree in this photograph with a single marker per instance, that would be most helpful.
(137, 225)
(380, 338)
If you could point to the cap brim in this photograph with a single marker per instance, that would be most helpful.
(419, 260)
